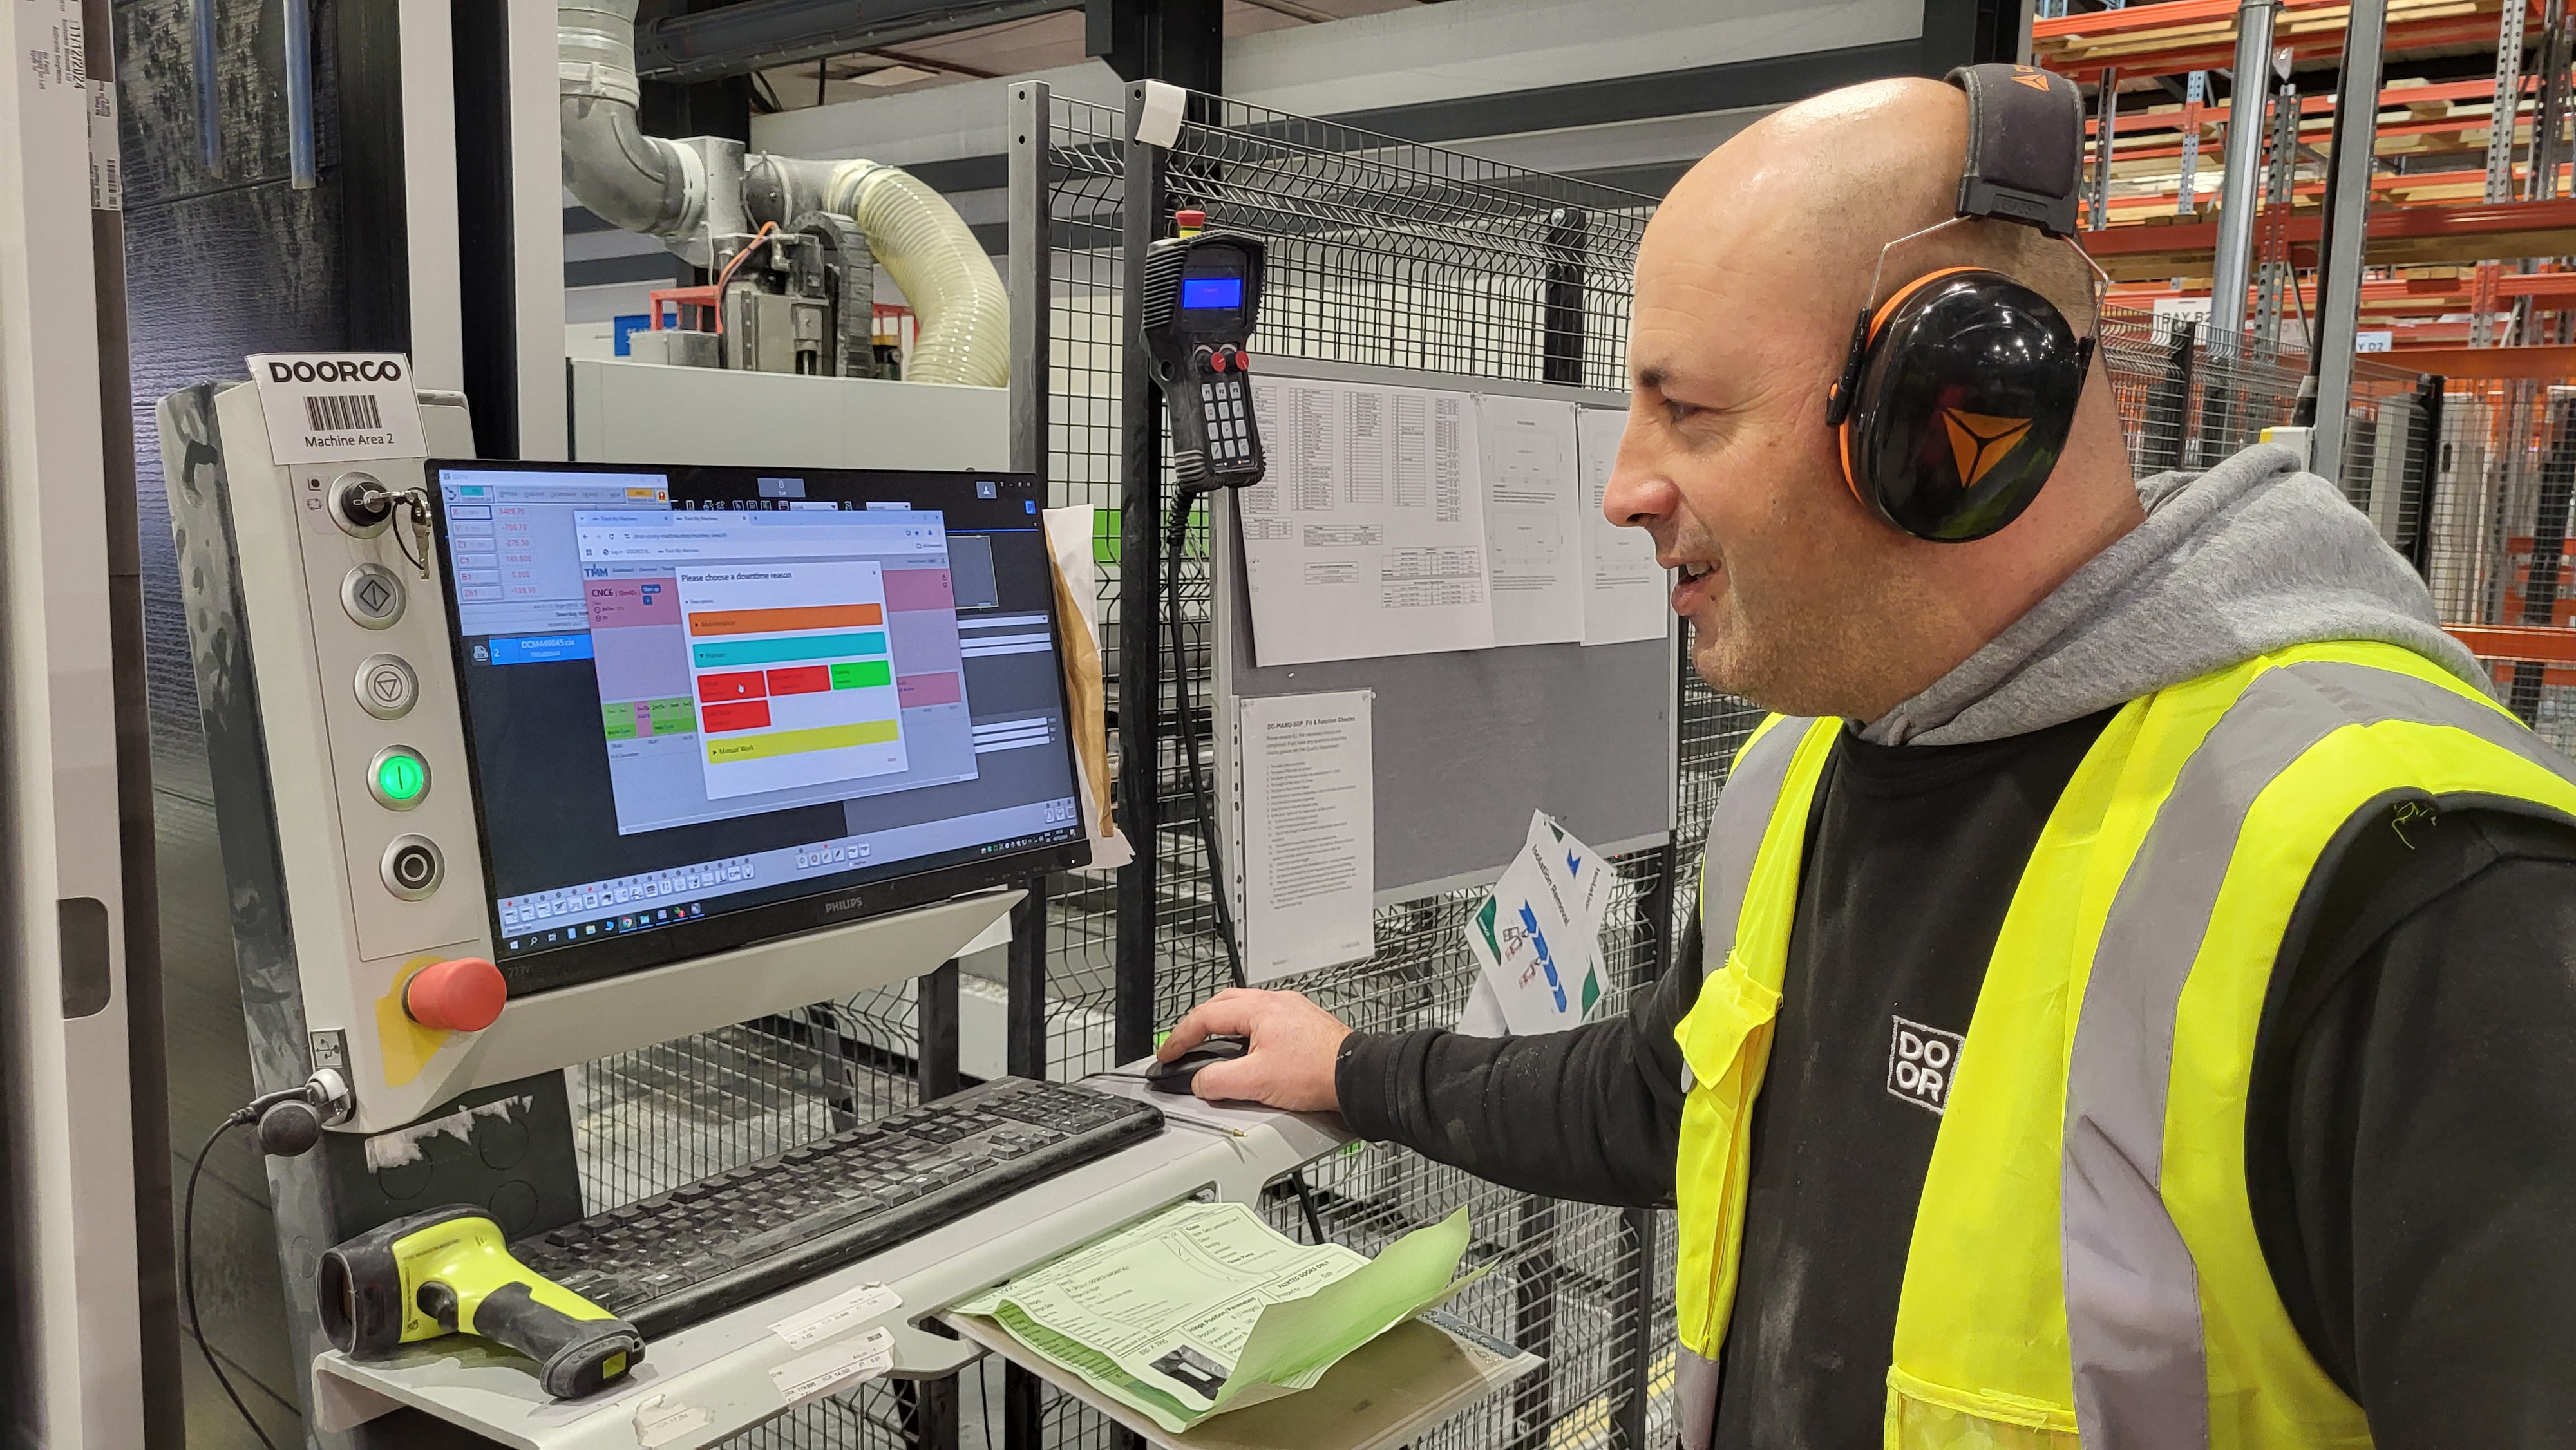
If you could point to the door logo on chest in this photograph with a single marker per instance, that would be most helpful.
(1921, 1061)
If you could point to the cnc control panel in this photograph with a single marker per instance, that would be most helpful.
(857, 779)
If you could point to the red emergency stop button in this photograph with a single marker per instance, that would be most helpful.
(463, 995)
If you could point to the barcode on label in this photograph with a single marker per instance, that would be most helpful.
(341, 412)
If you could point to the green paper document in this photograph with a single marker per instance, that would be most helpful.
(1204, 1308)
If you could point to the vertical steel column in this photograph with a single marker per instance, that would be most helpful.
(1561, 340)
(935, 1027)
(2187, 185)
(1030, 286)
(1028, 282)
(2280, 173)
(2250, 81)
(2106, 126)
(931, 1405)
(1140, 612)
(2503, 117)
(1025, 1055)
(1536, 1276)
(2349, 166)
(1638, 1226)
(1140, 681)
(1534, 1294)
(487, 222)
(1024, 1036)
(2422, 489)
(139, 908)
(2549, 111)
(300, 164)
(204, 48)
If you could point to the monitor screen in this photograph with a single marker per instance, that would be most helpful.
(711, 706)
(1211, 293)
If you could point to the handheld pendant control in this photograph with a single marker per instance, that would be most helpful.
(1202, 295)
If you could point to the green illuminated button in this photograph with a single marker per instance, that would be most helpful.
(398, 777)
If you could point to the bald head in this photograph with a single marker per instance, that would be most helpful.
(1802, 599)
(1809, 194)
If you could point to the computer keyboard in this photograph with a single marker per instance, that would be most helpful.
(668, 1261)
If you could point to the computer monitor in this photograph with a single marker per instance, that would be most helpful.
(706, 707)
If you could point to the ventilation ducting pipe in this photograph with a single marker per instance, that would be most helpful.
(925, 246)
(655, 186)
(641, 183)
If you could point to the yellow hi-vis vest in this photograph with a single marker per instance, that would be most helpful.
(2084, 1261)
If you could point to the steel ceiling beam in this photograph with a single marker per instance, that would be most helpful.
(759, 34)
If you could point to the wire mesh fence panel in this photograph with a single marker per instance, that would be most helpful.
(2182, 403)
(2388, 441)
(2504, 470)
(1392, 254)
(1564, 1279)
(2484, 486)
(649, 1120)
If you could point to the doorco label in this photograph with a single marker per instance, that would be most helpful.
(331, 407)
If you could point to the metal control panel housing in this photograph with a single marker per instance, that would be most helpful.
(326, 606)
(365, 752)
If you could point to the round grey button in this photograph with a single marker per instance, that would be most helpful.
(387, 687)
(373, 595)
(413, 867)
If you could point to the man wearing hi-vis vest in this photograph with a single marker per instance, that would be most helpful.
(2133, 996)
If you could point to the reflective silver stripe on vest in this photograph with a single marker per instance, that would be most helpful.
(1735, 831)
(2132, 1293)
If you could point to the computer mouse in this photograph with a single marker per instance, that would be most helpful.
(1174, 1076)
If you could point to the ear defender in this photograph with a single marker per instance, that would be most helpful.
(1958, 392)
(1956, 401)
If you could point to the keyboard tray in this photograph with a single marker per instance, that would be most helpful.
(677, 1258)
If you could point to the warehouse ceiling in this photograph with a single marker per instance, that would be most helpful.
(918, 45)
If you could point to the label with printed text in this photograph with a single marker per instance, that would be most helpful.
(333, 407)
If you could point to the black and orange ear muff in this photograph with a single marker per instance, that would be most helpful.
(1956, 402)
(1959, 391)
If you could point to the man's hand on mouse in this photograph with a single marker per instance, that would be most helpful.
(1289, 1063)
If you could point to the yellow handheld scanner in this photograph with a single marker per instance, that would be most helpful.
(448, 1271)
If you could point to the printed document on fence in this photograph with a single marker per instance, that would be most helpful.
(1626, 595)
(1368, 536)
(1309, 833)
(1534, 533)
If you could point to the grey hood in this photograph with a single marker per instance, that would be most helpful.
(2252, 556)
